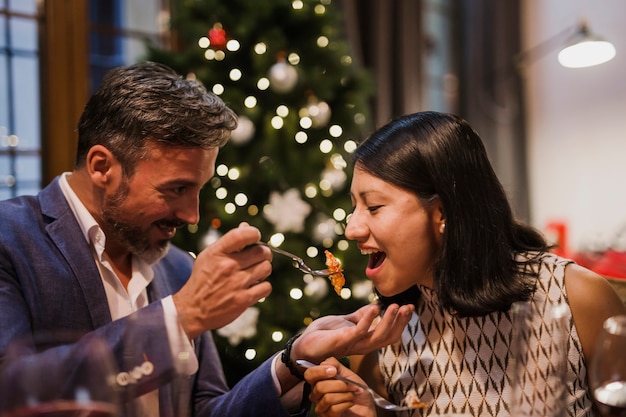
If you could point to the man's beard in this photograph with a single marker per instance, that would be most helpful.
(134, 238)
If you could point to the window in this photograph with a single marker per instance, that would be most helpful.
(52, 54)
(20, 128)
(119, 31)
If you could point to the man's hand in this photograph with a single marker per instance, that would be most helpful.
(227, 278)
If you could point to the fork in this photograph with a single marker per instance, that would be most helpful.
(379, 400)
(298, 262)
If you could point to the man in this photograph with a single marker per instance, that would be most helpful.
(91, 254)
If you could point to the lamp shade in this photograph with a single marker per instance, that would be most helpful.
(586, 50)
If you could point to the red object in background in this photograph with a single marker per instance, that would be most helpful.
(612, 264)
(217, 36)
(558, 230)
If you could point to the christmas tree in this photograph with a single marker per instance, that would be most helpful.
(285, 67)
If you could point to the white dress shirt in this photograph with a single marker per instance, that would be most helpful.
(123, 302)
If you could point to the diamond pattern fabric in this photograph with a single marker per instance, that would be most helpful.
(468, 365)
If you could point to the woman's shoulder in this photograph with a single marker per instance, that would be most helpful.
(592, 300)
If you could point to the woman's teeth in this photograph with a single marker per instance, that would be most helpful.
(368, 251)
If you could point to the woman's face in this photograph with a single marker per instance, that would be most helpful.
(401, 236)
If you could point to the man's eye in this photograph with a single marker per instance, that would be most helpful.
(179, 190)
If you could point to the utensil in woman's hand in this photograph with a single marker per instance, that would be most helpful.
(607, 371)
(378, 399)
(298, 262)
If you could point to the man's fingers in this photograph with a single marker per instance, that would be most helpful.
(237, 239)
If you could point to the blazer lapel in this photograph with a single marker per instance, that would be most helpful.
(65, 232)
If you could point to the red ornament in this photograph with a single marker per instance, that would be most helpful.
(217, 36)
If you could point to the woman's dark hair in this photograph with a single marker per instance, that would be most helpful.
(439, 156)
(149, 102)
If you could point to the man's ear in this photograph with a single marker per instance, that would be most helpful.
(103, 168)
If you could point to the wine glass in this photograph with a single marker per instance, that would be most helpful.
(607, 373)
(529, 372)
(54, 375)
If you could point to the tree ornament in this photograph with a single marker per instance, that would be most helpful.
(244, 131)
(211, 236)
(243, 327)
(336, 177)
(318, 111)
(287, 211)
(324, 229)
(317, 288)
(217, 36)
(283, 77)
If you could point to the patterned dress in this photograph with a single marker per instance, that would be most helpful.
(468, 365)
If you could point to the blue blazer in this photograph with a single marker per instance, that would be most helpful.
(49, 281)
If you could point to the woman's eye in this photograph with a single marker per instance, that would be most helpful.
(373, 208)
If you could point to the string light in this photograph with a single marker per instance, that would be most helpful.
(306, 122)
(319, 9)
(221, 170)
(277, 239)
(310, 190)
(282, 110)
(250, 102)
(260, 48)
(322, 41)
(296, 293)
(326, 146)
(293, 58)
(230, 208)
(346, 60)
(218, 89)
(263, 84)
(221, 193)
(277, 122)
(335, 131)
(301, 137)
(312, 252)
(233, 45)
(235, 74)
(234, 173)
(203, 42)
(343, 245)
(349, 146)
(346, 293)
(339, 214)
(241, 199)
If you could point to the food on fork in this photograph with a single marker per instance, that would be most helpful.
(336, 278)
(413, 401)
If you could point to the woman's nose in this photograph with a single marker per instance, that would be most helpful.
(355, 227)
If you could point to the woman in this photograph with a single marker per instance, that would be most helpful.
(436, 224)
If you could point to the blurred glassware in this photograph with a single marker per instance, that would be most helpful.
(607, 374)
(51, 376)
(538, 375)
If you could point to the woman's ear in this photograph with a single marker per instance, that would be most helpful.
(103, 168)
(440, 217)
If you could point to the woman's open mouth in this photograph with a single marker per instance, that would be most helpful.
(376, 258)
